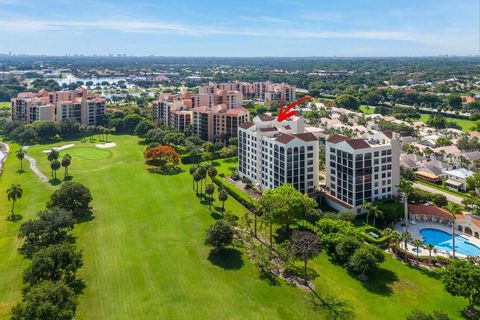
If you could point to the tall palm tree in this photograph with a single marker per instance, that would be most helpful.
(406, 237)
(417, 243)
(212, 173)
(53, 154)
(21, 155)
(192, 171)
(376, 213)
(368, 207)
(14, 193)
(430, 248)
(55, 165)
(406, 189)
(454, 210)
(222, 196)
(197, 177)
(209, 190)
(202, 170)
(66, 161)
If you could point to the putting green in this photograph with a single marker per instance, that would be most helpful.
(89, 153)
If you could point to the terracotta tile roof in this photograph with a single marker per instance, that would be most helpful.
(358, 143)
(308, 136)
(429, 210)
(340, 202)
(246, 125)
(265, 117)
(337, 138)
(476, 222)
(268, 129)
(388, 133)
(284, 138)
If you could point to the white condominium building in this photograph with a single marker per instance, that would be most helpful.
(58, 106)
(363, 169)
(271, 153)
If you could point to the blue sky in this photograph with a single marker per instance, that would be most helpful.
(241, 28)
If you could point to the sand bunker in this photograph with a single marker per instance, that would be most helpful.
(106, 145)
(67, 146)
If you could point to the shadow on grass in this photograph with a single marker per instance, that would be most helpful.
(84, 216)
(282, 234)
(78, 285)
(269, 278)
(55, 182)
(379, 283)
(298, 271)
(20, 171)
(226, 258)
(216, 216)
(165, 172)
(336, 308)
(230, 160)
(14, 217)
(68, 178)
(429, 273)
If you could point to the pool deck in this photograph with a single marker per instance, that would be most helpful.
(414, 230)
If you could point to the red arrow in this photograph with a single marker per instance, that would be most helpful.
(284, 114)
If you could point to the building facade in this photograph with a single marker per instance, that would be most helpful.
(271, 154)
(359, 170)
(57, 106)
(210, 121)
(264, 91)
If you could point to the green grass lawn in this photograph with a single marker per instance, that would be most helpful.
(144, 255)
(4, 105)
(464, 123)
(367, 109)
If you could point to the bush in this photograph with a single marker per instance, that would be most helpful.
(54, 263)
(366, 259)
(46, 300)
(219, 235)
(346, 247)
(73, 197)
(50, 228)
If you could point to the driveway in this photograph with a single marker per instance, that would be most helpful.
(450, 197)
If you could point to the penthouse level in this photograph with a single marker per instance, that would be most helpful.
(273, 153)
(363, 169)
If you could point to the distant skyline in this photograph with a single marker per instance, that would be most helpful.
(283, 28)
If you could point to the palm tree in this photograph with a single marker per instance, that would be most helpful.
(197, 177)
(192, 171)
(53, 154)
(430, 248)
(368, 207)
(66, 161)
(82, 129)
(212, 173)
(21, 155)
(406, 237)
(222, 196)
(55, 165)
(14, 193)
(417, 243)
(202, 170)
(405, 188)
(454, 210)
(209, 190)
(376, 213)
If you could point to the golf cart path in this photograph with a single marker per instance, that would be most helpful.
(33, 167)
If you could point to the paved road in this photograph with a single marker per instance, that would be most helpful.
(450, 197)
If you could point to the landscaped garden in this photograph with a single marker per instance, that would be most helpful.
(144, 254)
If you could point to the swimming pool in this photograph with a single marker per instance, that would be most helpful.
(443, 241)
